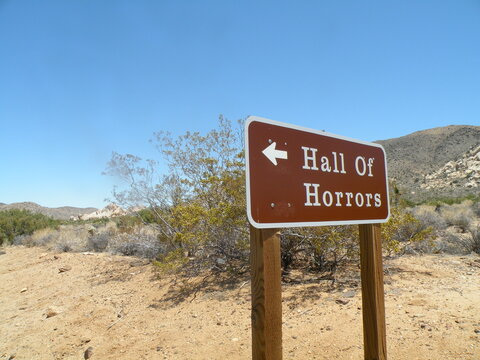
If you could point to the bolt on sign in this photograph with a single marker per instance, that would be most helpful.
(302, 177)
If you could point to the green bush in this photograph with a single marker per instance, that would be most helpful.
(439, 201)
(403, 230)
(198, 206)
(319, 249)
(127, 223)
(15, 222)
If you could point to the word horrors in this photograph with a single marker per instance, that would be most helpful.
(335, 163)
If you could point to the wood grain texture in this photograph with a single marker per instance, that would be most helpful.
(373, 301)
(266, 294)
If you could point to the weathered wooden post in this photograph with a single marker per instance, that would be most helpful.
(373, 302)
(266, 294)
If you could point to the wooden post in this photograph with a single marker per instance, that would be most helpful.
(373, 301)
(266, 294)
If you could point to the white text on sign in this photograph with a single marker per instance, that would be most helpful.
(336, 163)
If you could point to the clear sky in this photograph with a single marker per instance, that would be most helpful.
(80, 79)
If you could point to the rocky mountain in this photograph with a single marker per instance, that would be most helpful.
(111, 210)
(61, 213)
(442, 161)
(462, 173)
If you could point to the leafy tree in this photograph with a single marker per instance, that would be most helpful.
(199, 204)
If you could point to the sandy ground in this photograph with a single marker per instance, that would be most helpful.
(121, 309)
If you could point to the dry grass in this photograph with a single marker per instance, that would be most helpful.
(428, 216)
(39, 238)
(140, 241)
(70, 238)
(459, 215)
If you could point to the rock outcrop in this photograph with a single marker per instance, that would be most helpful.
(462, 173)
(111, 210)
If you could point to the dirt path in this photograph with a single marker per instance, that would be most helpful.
(119, 307)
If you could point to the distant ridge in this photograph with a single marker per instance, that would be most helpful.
(61, 213)
(418, 162)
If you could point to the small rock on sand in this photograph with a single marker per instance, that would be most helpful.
(51, 311)
(88, 353)
(64, 268)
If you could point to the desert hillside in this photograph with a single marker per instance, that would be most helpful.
(60, 213)
(57, 305)
(418, 161)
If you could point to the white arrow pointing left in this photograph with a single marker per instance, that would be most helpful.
(273, 154)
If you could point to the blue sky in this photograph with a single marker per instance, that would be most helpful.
(80, 79)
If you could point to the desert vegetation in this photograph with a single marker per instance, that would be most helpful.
(421, 229)
(192, 215)
(15, 223)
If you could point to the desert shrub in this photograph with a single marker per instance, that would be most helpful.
(476, 208)
(110, 226)
(453, 242)
(428, 216)
(40, 237)
(473, 244)
(17, 222)
(21, 240)
(127, 223)
(96, 222)
(65, 238)
(130, 245)
(320, 249)
(142, 242)
(290, 246)
(148, 216)
(440, 201)
(171, 262)
(72, 238)
(402, 232)
(460, 215)
(198, 206)
(100, 235)
(98, 242)
(330, 246)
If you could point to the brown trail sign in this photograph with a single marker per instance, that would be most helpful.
(302, 177)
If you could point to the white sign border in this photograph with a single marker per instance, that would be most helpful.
(251, 119)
